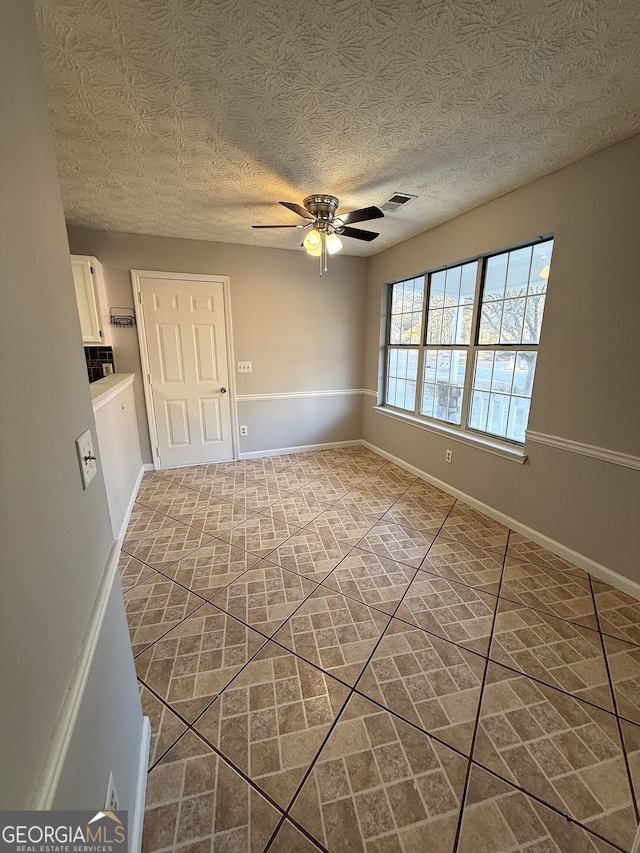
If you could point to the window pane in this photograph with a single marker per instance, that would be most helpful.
(512, 320)
(409, 399)
(468, 283)
(490, 323)
(484, 371)
(405, 322)
(436, 294)
(430, 364)
(452, 286)
(525, 369)
(501, 391)
(434, 326)
(442, 384)
(503, 372)
(395, 329)
(402, 374)
(416, 295)
(494, 278)
(519, 266)
(412, 333)
(479, 410)
(451, 324)
(498, 414)
(518, 418)
(540, 265)
(392, 390)
(464, 336)
(427, 405)
(443, 370)
(513, 296)
(533, 319)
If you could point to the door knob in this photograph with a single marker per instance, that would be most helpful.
(223, 390)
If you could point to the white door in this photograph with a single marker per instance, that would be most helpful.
(183, 332)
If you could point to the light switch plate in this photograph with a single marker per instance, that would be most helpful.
(86, 458)
(245, 367)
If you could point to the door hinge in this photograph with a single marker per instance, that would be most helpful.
(140, 297)
(149, 378)
(92, 270)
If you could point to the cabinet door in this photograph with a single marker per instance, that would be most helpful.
(86, 299)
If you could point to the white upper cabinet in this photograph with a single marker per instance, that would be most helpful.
(90, 296)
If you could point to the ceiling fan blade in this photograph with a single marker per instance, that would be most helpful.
(361, 215)
(298, 208)
(278, 226)
(357, 233)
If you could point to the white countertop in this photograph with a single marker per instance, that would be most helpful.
(104, 389)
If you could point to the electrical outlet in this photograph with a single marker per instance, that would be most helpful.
(244, 430)
(86, 458)
(448, 456)
(245, 367)
(111, 801)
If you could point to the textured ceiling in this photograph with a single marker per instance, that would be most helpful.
(193, 118)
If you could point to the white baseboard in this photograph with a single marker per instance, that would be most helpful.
(47, 784)
(132, 500)
(304, 448)
(137, 824)
(148, 466)
(598, 571)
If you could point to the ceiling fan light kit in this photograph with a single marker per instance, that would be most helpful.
(324, 238)
(333, 243)
(313, 242)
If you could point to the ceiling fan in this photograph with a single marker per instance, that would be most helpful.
(324, 237)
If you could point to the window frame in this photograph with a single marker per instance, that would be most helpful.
(463, 429)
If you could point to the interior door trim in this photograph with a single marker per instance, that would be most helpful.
(136, 275)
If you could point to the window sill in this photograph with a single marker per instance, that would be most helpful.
(505, 451)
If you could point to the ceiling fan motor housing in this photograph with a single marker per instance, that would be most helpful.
(323, 208)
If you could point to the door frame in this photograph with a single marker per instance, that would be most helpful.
(136, 275)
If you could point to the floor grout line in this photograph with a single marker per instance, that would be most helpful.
(472, 746)
(623, 746)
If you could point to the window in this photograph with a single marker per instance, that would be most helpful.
(462, 342)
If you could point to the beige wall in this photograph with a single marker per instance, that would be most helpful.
(55, 538)
(586, 386)
(302, 332)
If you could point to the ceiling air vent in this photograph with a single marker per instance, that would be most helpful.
(396, 201)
